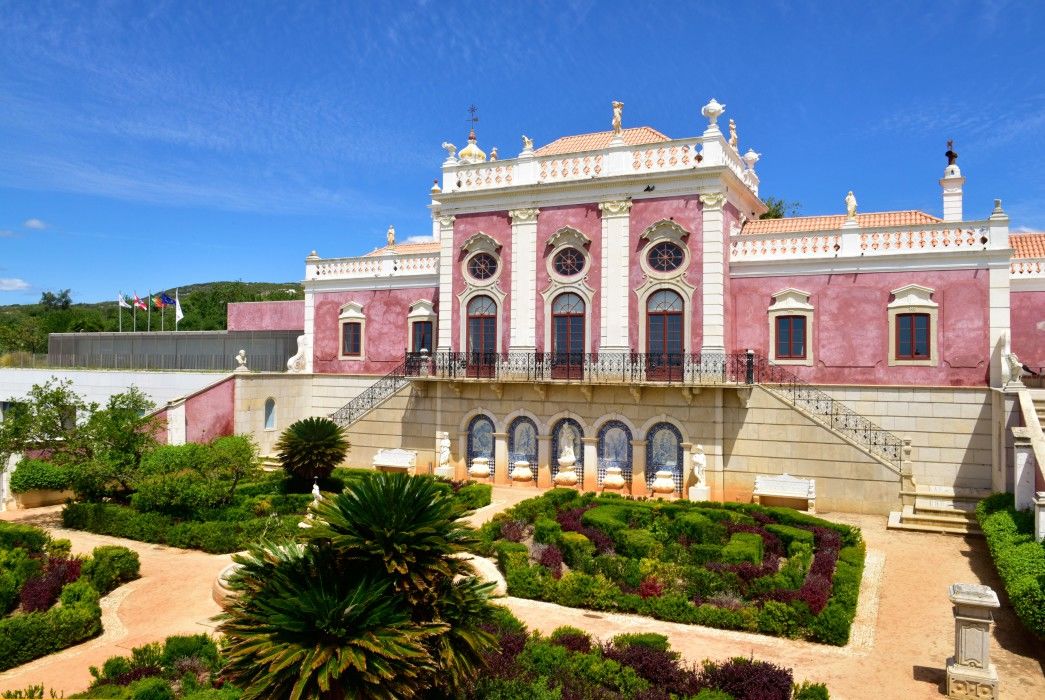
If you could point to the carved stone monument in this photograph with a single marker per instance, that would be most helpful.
(970, 673)
(618, 113)
(442, 451)
(241, 361)
(699, 491)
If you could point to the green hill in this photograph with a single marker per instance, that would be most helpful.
(24, 327)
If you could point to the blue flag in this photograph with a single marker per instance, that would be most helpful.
(167, 301)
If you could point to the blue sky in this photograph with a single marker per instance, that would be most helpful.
(150, 145)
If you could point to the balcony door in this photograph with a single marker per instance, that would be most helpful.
(482, 336)
(664, 346)
(568, 336)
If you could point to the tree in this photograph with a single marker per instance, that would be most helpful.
(48, 418)
(374, 602)
(62, 300)
(311, 448)
(778, 208)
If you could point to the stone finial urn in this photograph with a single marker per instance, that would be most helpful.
(522, 471)
(614, 478)
(664, 482)
(480, 468)
(567, 474)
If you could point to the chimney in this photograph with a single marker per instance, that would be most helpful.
(952, 182)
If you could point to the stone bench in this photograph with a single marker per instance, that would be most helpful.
(786, 487)
(396, 459)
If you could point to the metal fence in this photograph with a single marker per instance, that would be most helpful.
(267, 351)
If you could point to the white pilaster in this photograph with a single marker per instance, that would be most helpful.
(613, 304)
(952, 182)
(446, 281)
(998, 293)
(310, 313)
(713, 271)
(523, 331)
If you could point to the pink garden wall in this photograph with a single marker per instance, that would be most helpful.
(385, 332)
(266, 316)
(498, 226)
(850, 327)
(1027, 319)
(209, 412)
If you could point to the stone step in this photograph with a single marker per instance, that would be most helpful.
(952, 493)
(898, 522)
(956, 514)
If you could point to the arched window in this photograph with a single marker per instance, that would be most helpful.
(270, 414)
(566, 440)
(664, 343)
(480, 438)
(522, 444)
(567, 336)
(664, 451)
(482, 336)
(614, 449)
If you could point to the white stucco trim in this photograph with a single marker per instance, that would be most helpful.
(791, 302)
(494, 292)
(680, 285)
(499, 426)
(446, 281)
(580, 288)
(523, 329)
(351, 312)
(613, 299)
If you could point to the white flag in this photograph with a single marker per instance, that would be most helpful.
(122, 301)
(178, 315)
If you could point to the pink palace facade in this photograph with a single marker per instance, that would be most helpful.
(616, 293)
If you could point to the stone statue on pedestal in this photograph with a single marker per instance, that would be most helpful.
(241, 361)
(618, 112)
(700, 464)
(391, 235)
(733, 134)
(527, 143)
(850, 205)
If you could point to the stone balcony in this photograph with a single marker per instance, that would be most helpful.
(371, 267)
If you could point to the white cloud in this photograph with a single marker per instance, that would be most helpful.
(419, 239)
(7, 233)
(12, 284)
(35, 224)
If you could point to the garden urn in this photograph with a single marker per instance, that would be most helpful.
(522, 471)
(614, 478)
(480, 468)
(664, 482)
(567, 475)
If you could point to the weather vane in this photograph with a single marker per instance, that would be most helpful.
(474, 119)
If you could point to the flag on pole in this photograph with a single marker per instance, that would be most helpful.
(122, 301)
(178, 315)
(138, 303)
(157, 301)
(166, 300)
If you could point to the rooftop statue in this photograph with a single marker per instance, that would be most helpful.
(451, 150)
(733, 134)
(493, 153)
(391, 236)
(850, 205)
(618, 111)
(527, 143)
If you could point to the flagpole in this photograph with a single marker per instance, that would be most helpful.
(163, 307)
(119, 310)
(134, 313)
(148, 305)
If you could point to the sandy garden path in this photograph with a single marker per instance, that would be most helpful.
(173, 596)
(902, 637)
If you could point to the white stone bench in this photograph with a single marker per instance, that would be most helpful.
(786, 486)
(396, 459)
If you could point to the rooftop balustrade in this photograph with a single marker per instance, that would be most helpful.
(372, 266)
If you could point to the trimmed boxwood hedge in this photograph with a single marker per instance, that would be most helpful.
(32, 635)
(34, 474)
(1020, 560)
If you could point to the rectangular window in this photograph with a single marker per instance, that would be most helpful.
(790, 337)
(351, 338)
(912, 336)
(422, 336)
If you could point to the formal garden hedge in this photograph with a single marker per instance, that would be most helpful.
(731, 566)
(32, 474)
(1019, 559)
(49, 600)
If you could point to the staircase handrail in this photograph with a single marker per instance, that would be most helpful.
(372, 396)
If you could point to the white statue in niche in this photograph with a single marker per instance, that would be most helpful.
(700, 464)
(850, 205)
(442, 448)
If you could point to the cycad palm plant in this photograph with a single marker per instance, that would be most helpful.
(309, 614)
(312, 447)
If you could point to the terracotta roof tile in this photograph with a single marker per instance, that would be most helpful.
(406, 249)
(832, 222)
(636, 136)
(1027, 245)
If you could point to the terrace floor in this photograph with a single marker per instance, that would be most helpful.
(902, 636)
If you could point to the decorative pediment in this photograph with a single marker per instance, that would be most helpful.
(480, 242)
(791, 299)
(568, 236)
(351, 310)
(665, 230)
(422, 309)
(912, 295)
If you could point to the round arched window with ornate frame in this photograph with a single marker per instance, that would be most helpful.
(666, 256)
(568, 262)
(482, 266)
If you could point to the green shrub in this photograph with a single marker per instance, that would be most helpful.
(312, 447)
(505, 550)
(183, 494)
(779, 619)
(811, 691)
(577, 550)
(562, 498)
(546, 531)
(27, 537)
(1019, 560)
(474, 496)
(579, 590)
(743, 547)
(638, 544)
(525, 580)
(151, 689)
(788, 534)
(832, 625)
(110, 566)
(650, 640)
(32, 635)
(60, 548)
(702, 553)
(31, 474)
(609, 519)
(700, 528)
(195, 646)
(710, 694)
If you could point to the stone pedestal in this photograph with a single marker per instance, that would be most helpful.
(500, 458)
(591, 463)
(544, 469)
(638, 469)
(699, 493)
(970, 673)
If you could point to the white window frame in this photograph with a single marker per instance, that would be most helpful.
(791, 302)
(914, 299)
(421, 310)
(351, 312)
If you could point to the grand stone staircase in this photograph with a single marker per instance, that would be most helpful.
(943, 509)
